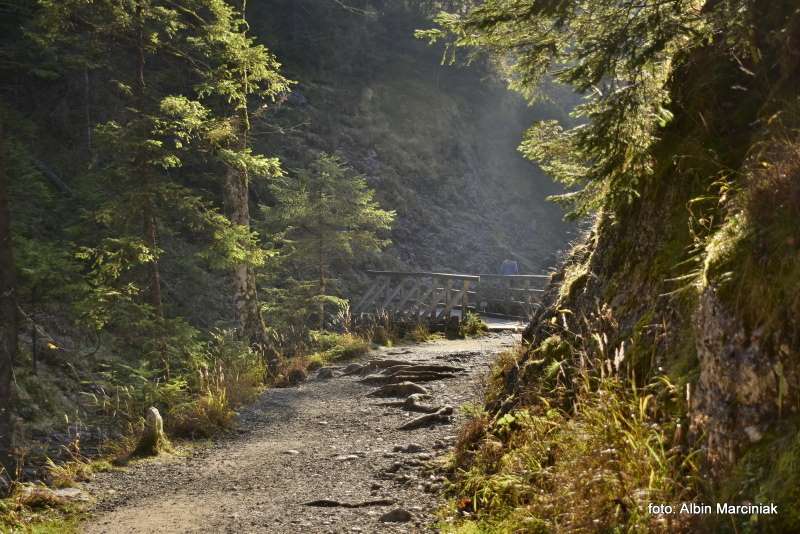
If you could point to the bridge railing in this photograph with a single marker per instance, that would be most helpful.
(435, 296)
(515, 296)
(440, 296)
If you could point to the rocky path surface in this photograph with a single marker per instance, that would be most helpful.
(328, 456)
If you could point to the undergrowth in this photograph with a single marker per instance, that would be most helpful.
(571, 440)
(594, 468)
(472, 326)
(35, 509)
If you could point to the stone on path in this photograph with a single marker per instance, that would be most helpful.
(330, 503)
(71, 494)
(410, 448)
(352, 369)
(325, 373)
(398, 515)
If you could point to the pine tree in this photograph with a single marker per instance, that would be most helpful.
(159, 59)
(239, 75)
(331, 221)
(121, 42)
(617, 53)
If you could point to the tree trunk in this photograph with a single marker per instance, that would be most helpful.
(151, 240)
(150, 226)
(87, 110)
(322, 288)
(245, 296)
(8, 323)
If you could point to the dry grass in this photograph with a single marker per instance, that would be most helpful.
(66, 475)
(34, 508)
(502, 368)
(592, 471)
(469, 436)
(584, 449)
(420, 333)
(330, 347)
(473, 326)
(212, 409)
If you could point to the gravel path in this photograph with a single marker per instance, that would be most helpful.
(323, 440)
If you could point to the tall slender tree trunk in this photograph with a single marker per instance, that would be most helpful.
(150, 225)
(245, 296)
(154, 273)
(87, 109)
(322, 285)
(8, 323)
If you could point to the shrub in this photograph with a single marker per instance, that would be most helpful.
(209, 412)
(420, 333)
(380, 335)
(473, 326)
(332, 346)
(292, 372)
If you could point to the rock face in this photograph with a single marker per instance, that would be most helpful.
(153, 439)
(742, 386)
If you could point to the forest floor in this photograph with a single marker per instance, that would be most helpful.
(325, 440)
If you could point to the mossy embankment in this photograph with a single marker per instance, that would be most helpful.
(665, 367)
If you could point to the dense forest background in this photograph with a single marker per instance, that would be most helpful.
(437, 143)
(193, 197)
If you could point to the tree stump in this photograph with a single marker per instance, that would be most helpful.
(153, 439)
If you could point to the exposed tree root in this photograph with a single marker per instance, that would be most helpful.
(408, 376)
(327, 503)
(441, 416)
(412, 404)
(403, 389)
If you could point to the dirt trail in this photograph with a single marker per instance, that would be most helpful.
(323, 440)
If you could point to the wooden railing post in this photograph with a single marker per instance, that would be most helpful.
(434, 300)
(464, 299)
(448, 288)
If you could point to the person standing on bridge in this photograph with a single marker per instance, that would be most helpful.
(509, 267)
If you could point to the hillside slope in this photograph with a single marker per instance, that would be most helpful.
(439, 144)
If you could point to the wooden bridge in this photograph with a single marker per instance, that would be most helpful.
(439, 297)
